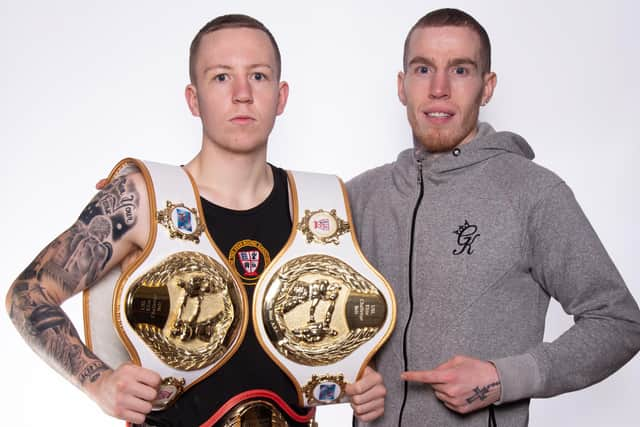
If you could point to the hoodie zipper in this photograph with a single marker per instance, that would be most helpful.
(406, 326)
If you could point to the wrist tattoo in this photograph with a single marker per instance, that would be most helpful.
(92, 372)
(480, 393)
(47, 329)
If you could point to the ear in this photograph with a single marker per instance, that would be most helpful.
(401, 94)
(283, 95)
(191, 95)
(490, 82)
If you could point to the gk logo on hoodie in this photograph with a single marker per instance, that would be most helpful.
(467, 234)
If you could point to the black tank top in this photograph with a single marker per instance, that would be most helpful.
(249, 239)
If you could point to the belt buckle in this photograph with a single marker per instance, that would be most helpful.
(255, 413)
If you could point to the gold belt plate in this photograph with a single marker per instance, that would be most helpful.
(187, 309)
(318, 310)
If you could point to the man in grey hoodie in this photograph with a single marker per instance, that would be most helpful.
(475, 238)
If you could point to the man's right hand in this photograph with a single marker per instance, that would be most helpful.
(127, 392)
(464, 384)
(102, 183)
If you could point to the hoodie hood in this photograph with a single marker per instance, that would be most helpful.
(437, 166)
(486, 144)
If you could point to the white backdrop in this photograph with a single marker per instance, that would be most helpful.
(83, 84)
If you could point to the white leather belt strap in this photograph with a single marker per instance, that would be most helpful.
(178, 310)
(320, 309)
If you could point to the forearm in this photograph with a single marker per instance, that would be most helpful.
(588, 352)
(582, 356)
(570, 263)
(107, 231)
(48, 330)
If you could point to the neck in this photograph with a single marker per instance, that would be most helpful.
(238, 181)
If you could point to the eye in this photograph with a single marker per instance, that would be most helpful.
(259, 76)
(422, 69)
(460, 71)
(221, 77)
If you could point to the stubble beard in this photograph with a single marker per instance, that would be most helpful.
(438, 140)
(441, 140)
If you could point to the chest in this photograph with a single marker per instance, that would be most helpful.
(452, 245)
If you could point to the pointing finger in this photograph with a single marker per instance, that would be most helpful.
(427, 377)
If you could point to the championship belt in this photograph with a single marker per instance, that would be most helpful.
(258, 408)
(320, 310)
(177, 310)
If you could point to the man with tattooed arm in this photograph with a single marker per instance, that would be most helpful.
(237, 93)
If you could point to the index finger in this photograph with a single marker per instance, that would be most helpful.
(147, 376)
(427, 377)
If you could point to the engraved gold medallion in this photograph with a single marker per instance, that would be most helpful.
(169, 390)
(187, 309)
(324, 389)
(323, 227)
(181, 221)
(318, 310)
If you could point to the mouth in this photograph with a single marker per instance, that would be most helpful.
(439, 114)
(242, 120)
(438, 117)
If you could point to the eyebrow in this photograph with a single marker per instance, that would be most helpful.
(420, 60)
(228, 67)
(451, 63)
(463, 61)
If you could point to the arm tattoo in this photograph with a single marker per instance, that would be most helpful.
(46, 328)
(117, 202)
(481, 392)
(73, 261)
(78, 257)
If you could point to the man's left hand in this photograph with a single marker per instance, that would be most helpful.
(463, 384)
(367, 395)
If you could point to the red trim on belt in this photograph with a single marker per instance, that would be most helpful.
(253, 394)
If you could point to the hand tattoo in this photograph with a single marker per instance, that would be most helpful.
(481, 393)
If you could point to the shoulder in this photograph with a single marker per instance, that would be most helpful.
(364, 180)
(124, 203)
(370, 180)
(522, 177)
(361, 187)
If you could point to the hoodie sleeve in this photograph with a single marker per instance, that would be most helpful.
(570, 263)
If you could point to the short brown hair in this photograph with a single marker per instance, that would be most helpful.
(453, 18)
(230, 21)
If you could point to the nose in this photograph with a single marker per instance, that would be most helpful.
(440, 87)
(242, 92)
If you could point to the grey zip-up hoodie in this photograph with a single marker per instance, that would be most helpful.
(494, 237)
